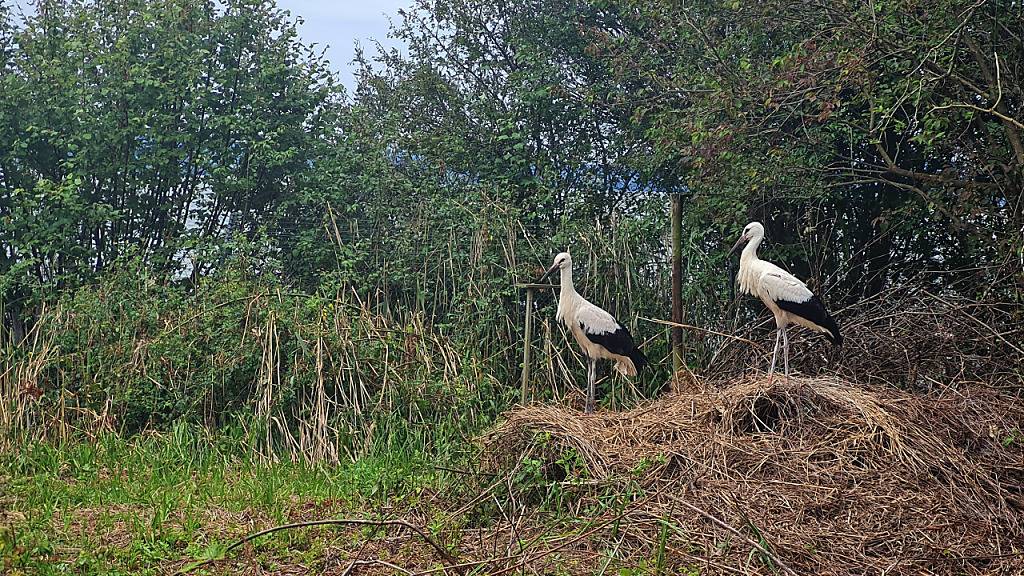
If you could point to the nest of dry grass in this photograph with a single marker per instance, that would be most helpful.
(815, 476)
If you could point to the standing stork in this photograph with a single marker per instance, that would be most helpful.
(788, 298)
(596, 331)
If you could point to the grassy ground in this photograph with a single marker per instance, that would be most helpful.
(166, 503)
(154, 504)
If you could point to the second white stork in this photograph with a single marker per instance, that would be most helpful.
(597, 332)
(787, 297)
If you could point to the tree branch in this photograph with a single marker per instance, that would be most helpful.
(993, 109)
(1010, 124)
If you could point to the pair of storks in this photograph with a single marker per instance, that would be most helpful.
(602, 337)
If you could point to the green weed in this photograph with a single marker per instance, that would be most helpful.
(139, 505)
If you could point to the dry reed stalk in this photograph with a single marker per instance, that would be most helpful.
(317, 437)
(23, 416)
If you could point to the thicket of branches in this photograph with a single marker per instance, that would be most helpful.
(876, 141)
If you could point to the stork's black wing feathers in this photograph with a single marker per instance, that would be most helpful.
(618, 342)
(814, 310)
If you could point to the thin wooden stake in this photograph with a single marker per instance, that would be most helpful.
(527, 340)
(677, 289)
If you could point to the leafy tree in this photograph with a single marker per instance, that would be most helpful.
(878, 130)
(185, 120)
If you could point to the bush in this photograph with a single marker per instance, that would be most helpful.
(315, 376)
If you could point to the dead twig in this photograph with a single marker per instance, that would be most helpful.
(701, 329)
(720, 523)
(444, 554)
(963, 311)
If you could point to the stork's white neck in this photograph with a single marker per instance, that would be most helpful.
(567, 295)
(749, 264)
(749, 253)
(568, 289)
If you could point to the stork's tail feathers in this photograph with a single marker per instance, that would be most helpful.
(812, 314)
(636, 363)
(625, 367)
(638, 358)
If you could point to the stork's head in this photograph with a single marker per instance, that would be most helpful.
(562, 262)
(751, 231)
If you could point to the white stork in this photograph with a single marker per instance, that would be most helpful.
(596, 331)
(788, 298)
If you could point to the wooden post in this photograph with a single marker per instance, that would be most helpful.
(527, 346)
(677, 288)
(524, 392)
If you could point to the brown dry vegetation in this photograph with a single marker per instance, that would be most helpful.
(806, 476)
(827, 476)
(903, 454)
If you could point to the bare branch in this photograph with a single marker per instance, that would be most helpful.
(993, 109)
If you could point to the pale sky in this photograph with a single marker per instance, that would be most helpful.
(337, 25)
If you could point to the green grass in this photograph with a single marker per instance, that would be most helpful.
(160, 502)
(145, 505)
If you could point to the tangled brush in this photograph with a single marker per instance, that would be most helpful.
(905, 337)
(813, 475)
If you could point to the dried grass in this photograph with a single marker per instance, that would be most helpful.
(830, 476)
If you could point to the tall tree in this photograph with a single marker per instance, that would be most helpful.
(159, 123)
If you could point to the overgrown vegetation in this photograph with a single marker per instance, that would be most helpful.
(143, 505)
(166, 144)
(205, 239)
(319, 377)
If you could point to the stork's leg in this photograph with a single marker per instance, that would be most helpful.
(775, 353)
(591, 384)
(590, 378)
(785, 351)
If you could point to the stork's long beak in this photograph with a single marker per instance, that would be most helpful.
(547, 274)
(739, 242)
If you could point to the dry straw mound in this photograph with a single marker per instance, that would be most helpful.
(829, 477)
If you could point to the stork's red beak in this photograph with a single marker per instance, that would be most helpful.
(739, 242)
